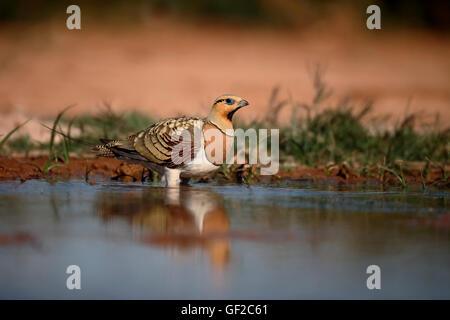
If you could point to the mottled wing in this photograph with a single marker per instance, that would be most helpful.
(159, 142)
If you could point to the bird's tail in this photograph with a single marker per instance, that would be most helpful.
(113, 148)
(123, 149)
(104, 150)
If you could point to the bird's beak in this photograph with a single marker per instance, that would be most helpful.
(243, 103)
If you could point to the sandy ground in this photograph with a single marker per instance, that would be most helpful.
(167, 69)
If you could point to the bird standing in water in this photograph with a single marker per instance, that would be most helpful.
(162, 147)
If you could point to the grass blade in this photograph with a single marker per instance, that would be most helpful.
(2, 143)
(55, 124)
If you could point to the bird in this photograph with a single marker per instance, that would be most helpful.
(167, 146)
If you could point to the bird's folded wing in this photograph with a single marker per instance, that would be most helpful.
(170, 143)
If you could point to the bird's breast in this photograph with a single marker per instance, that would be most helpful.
(217, 144)
(202, 162)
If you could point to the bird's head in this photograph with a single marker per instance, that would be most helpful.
(223, 109)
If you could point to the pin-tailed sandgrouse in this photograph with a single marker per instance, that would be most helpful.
(175, 147)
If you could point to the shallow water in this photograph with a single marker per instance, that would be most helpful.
(203, 241)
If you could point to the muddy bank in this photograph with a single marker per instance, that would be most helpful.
(342, 174)
(89, 168)
(34, 168)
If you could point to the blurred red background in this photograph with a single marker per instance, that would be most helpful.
(172, 58)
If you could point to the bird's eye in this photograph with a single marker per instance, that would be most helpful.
(229, 101)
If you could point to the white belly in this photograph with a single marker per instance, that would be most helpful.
(199, 166)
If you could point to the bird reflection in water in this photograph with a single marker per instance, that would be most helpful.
(184, 218)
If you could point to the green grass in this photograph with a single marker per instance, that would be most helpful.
(339, 135)
(317, 134)
(22, 144)
(106, 124)
(345, 133)
(9, 134)
(48, 165)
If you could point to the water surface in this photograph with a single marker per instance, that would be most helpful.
(203, 241)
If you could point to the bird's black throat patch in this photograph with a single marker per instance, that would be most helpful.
(231, 114)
